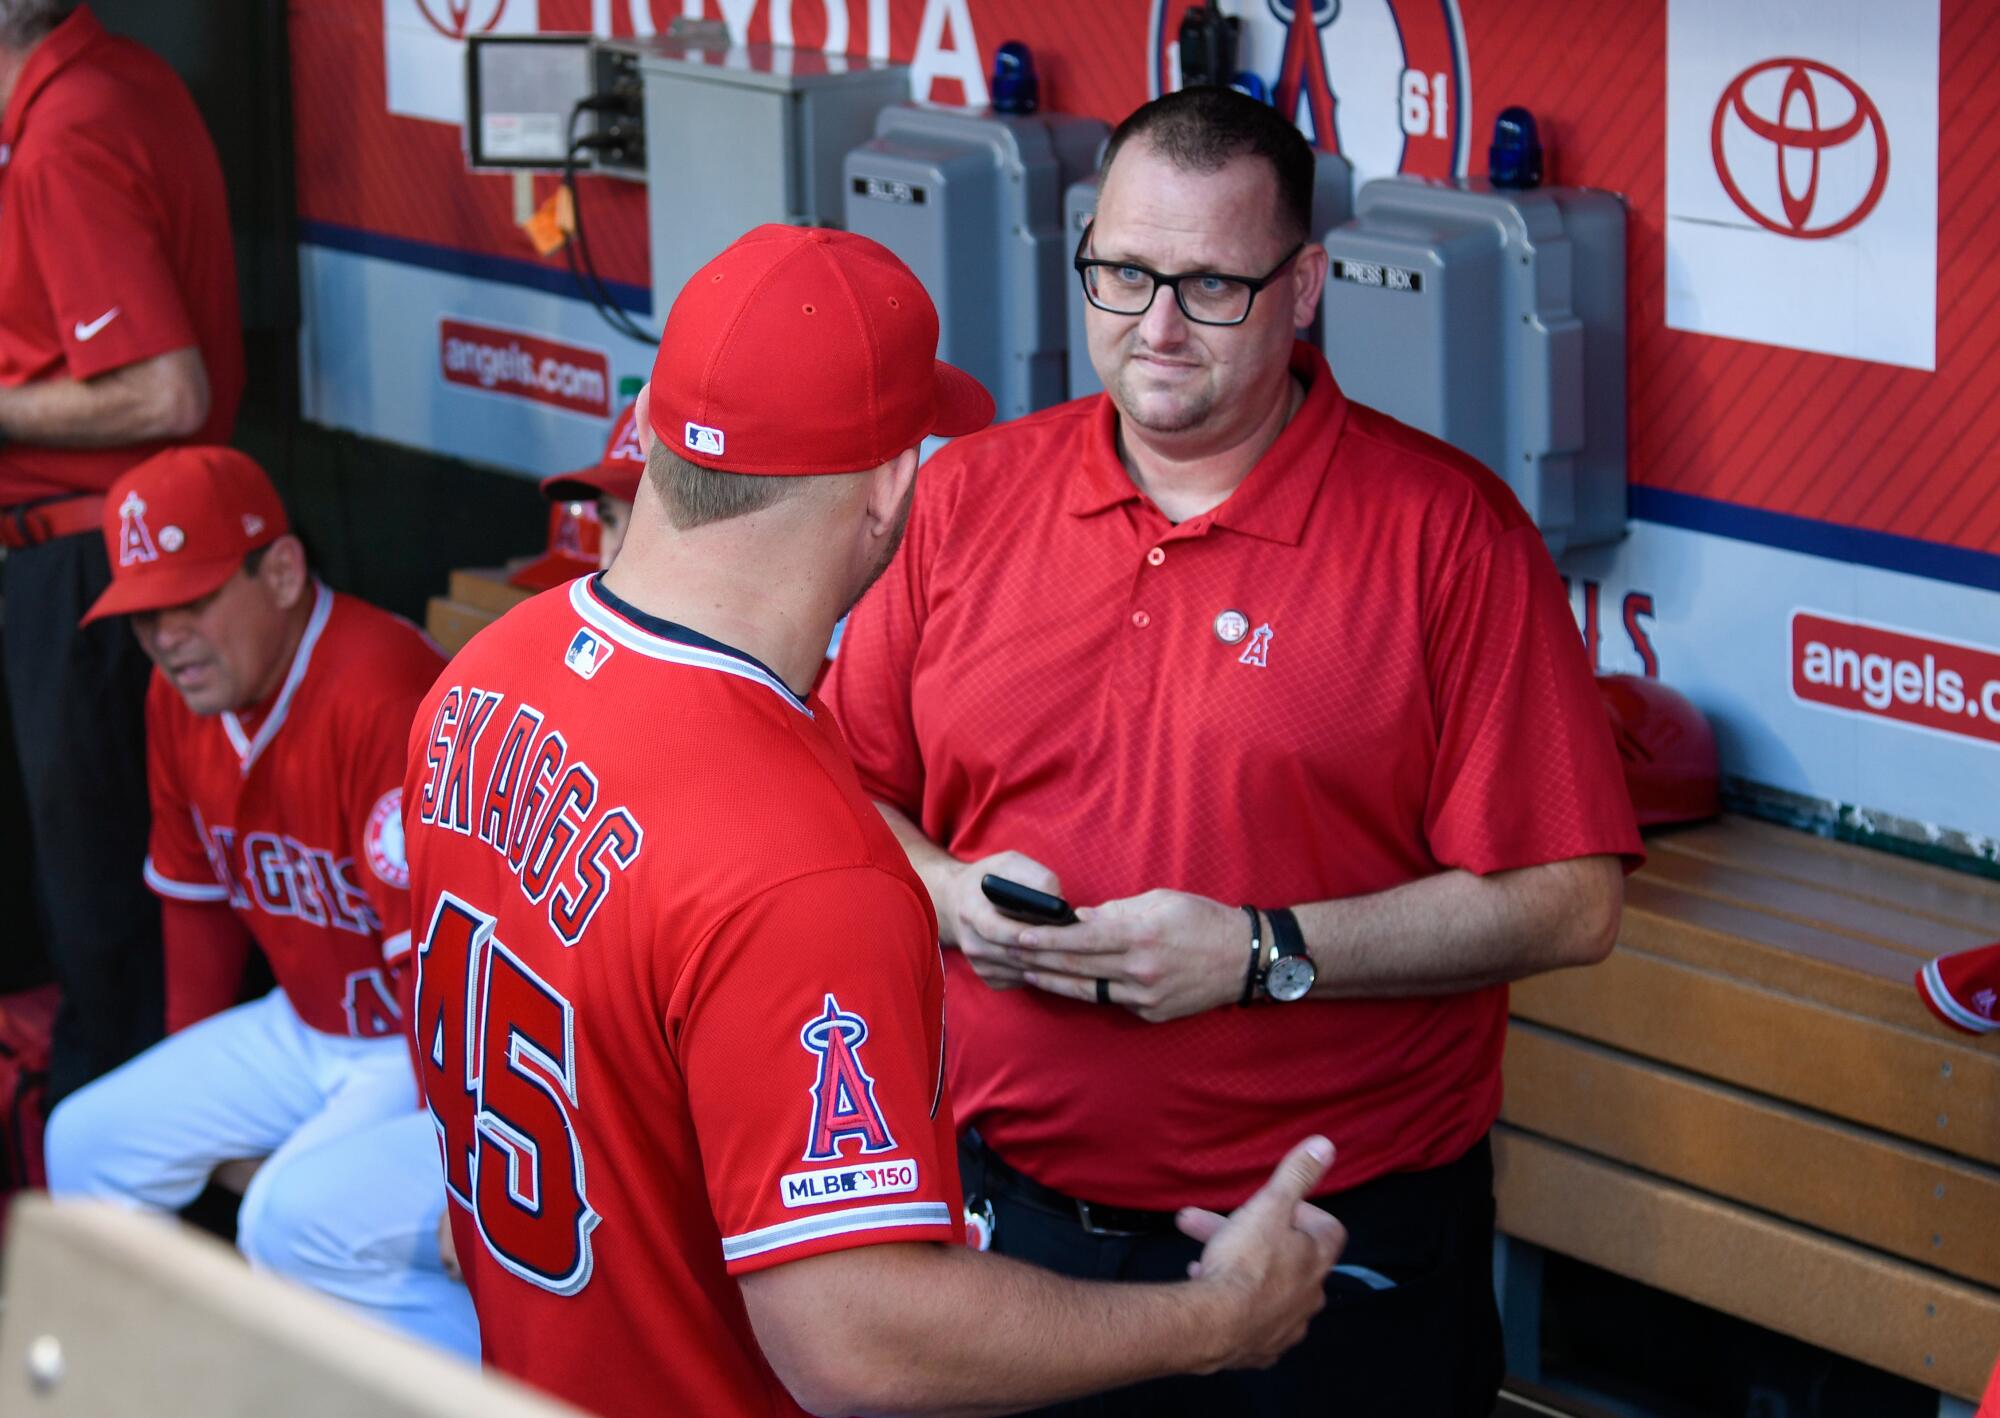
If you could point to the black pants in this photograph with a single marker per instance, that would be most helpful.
(77, 699)
(1426, 1347)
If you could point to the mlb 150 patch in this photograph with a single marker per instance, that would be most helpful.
(862, 1179)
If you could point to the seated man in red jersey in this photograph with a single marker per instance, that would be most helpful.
(276, 720)
(680, 1003)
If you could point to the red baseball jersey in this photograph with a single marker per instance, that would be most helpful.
(292, 813)
(114, 241)
(1359, 670)
(680, 1007)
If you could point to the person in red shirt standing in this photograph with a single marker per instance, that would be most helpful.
(118, 336)
(275, 730)
(1290, 698)
(680, 1005)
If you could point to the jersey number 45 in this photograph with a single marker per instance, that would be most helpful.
(498, 1047)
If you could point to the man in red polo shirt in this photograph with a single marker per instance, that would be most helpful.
(118, 337)
(1288, 696)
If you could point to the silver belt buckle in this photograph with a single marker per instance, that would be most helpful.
(1091, 1227)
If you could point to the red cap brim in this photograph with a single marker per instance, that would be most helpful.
(1960, 988)
(549, 571)
(963, 405)
(587, 484)
(160, 589)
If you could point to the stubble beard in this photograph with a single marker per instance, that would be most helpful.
(1186, 412)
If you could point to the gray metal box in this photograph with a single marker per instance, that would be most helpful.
(1494, 320)
(1333, 200)
(973, 202)
(750, 134)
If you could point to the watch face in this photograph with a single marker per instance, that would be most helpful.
(1290, 978)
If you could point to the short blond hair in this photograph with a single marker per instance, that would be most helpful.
(696, 496)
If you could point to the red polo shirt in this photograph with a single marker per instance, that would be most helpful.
(1357, 671)
(114, 241)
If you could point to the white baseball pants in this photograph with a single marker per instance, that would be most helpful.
(349, 1199)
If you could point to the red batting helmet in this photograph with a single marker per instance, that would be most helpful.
(1667, 747)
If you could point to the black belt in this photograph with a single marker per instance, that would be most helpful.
(1095, 1218)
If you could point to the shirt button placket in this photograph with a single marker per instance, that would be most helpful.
(1141, 660)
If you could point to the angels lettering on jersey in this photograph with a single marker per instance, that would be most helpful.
(282, 876)
(530, 802)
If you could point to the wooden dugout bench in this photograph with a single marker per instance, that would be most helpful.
(1748, 1106)
(477, 597)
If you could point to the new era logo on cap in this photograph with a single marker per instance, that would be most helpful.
(704, 439)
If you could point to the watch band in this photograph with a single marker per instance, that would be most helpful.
(1252, 977)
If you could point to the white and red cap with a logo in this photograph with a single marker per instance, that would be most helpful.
(179, 525)
(574, 532)
(616, 474)
(1963, 988)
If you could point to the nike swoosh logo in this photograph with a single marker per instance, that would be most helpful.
(89, 331)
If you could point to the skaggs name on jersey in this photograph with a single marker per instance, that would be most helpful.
(530, 802)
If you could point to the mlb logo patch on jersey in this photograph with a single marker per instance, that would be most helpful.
(587, 653)
(898, 1174)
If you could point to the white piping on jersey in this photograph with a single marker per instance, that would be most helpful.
(395, 945)
(837, 1223)
(601, 617)
(247, 749)
(1940, 995)
(182, 890)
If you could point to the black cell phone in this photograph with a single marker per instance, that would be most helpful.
(1024, 903)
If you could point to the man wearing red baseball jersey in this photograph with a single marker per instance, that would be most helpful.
(680, 1001)
(275, 730)
(1290, 697)
(118, 336)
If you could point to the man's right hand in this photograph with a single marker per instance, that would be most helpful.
(1269, 1258)
(966, 919)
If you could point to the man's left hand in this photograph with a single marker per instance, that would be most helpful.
(1164, 955)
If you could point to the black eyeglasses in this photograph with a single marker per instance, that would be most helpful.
(1205, 297)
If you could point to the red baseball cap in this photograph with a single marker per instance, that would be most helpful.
(179, 524)
(1963, 988)
(800, 350)
(616, 474)
(1666, 748)
(574, 537)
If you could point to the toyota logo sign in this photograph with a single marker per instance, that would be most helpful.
(1807, 142)
(455, 19)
